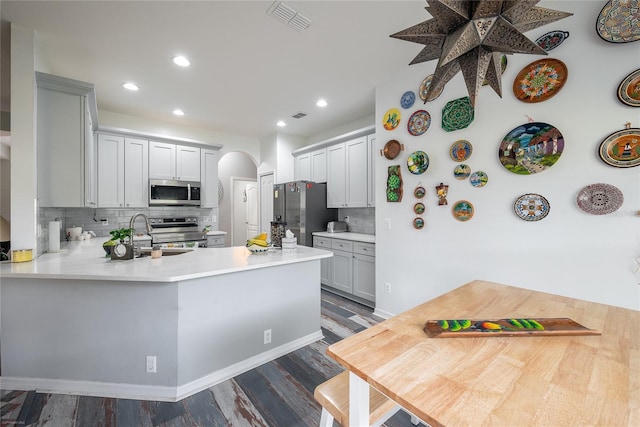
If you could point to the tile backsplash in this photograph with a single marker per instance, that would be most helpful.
(361, 220)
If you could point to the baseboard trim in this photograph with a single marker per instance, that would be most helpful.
(382, 313)
(154, 392)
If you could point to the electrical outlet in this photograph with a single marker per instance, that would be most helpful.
(387, 287)
(104, 221)
(346, 219)
(151, 364)
(267, 336)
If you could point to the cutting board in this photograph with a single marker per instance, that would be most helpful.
(516, 327)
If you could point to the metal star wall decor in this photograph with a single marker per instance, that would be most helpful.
(471, 35)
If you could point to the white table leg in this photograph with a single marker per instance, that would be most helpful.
(358, 401)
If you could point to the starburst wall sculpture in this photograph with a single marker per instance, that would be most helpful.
(471, 36)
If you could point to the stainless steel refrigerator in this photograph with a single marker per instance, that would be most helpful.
(303, 206)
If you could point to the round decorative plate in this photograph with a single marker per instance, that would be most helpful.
(600, 199)
(552, 39)
(391, 119)
(461, 172)
(629, 89)
(419, 192)
(391, 149)
(478, 179)
(462, 210)
(540, 80)
(418, 223)
(618, 21)
(407, 99)
(503, 66)
(419, 122)
(419, 208)
(531, 148)
(457, 114)
(531, 207)
(460, 150)
(418, 162)
(622, 148)
(424, 88)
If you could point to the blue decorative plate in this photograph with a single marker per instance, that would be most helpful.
(531, 207)
(552, 39)
(407, 100)
(419, 122)
(479, 179)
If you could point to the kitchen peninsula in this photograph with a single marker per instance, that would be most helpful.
(77, 322)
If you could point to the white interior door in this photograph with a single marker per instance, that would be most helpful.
(251, 195)
(266, 202)
(239, 210)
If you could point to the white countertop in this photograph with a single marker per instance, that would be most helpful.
(86, 260)
(356, 237)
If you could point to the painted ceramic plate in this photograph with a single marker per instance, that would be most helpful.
(391, 119)
(622, 148)
(552, 39)
(418, 162)
(407, 99)
(419, 208)
(418, 223)
(600, 199)
(618, 21)
(461, 172)
(419, 122)
(424, 88)
(531, 148)
(629, 89)
(419, 192)
(531, 207)
(540, 80)
(457, 114)
(479, 179)
(391, 149)
(503, 66)
(462, 210)
(460, 150)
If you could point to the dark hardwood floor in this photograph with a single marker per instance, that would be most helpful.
(276, 394)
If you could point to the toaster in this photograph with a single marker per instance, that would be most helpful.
(337, 227)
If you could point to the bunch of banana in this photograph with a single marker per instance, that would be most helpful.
(259, 240)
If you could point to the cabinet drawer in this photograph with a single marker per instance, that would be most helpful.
(321, 242)
(215, 241)
(342, 245)
(364, 248)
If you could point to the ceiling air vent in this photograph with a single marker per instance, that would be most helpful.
(299, 115)
(288, 15)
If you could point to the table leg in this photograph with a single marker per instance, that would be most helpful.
(358, 401)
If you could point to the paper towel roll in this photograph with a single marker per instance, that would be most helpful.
(54, 236)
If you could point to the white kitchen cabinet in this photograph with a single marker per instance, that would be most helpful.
(91, 161)
(371, 171)
(364, 270)
(336, 176)
(302, 167)
(311, 166)
(123, 174)
(174, 162)
(136, 173)
(326, 264)
(216, 241)
(209, 178)
(347, 174)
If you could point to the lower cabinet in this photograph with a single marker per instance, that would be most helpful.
(351, 270)
(216, 241)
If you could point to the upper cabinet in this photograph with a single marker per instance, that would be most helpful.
(311, 166)
(174, 162)
(348, 172)
(371, 171)
(66, 115)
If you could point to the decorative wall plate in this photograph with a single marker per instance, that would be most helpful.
(618, 21)
(418, 223)
(552, 39)
(424, 87)
(391, 149)
(622, 148)
(462, 210)
(600, 199)
(461, 172)
(540, 80)
(629, 89)
(419, 122)
(460, 150)
(503, 66)
(419, 208)
(418, 162)
(531, 148)
(419, 192)
(407, 99)
(531, 207)
(394, 184)
(457, 114)
(479, 179)
(391, 119)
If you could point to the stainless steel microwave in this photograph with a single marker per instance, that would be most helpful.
(165, 192)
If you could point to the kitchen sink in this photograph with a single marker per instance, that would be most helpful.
(146, 252)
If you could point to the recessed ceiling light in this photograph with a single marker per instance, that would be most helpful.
(281, 124)
(178, 112)
(130, 86)
(181, 61)
(321, 103)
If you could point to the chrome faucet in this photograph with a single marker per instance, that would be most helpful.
(146, 221)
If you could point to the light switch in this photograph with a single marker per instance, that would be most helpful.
(387, 223)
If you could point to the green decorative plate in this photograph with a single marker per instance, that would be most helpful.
(457, 114)
(418, 162)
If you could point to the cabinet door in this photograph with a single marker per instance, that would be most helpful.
(371, 175)
(303, 167)
(162, 160)
(90, 160)
(110, 171)
(356, 159)
(188, 163)
(326, 266)
(336, 176)
(342, 271)
(319, 165)
(364, 276)
(209, 172)
(136, 173)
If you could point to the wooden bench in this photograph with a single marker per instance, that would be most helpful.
(333, 395)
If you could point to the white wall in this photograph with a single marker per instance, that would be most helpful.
(569, 252)
(341, 130)
(285, 145)
(238, 165)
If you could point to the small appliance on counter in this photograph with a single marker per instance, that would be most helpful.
(337, 227)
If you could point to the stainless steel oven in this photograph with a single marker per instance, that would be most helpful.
(177, 232)
(165, 192)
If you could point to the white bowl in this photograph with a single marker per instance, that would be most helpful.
(257, 249)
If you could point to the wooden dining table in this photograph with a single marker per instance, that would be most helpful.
(500, 380)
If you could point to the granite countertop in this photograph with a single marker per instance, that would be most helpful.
(86, 260)
(356, 237)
